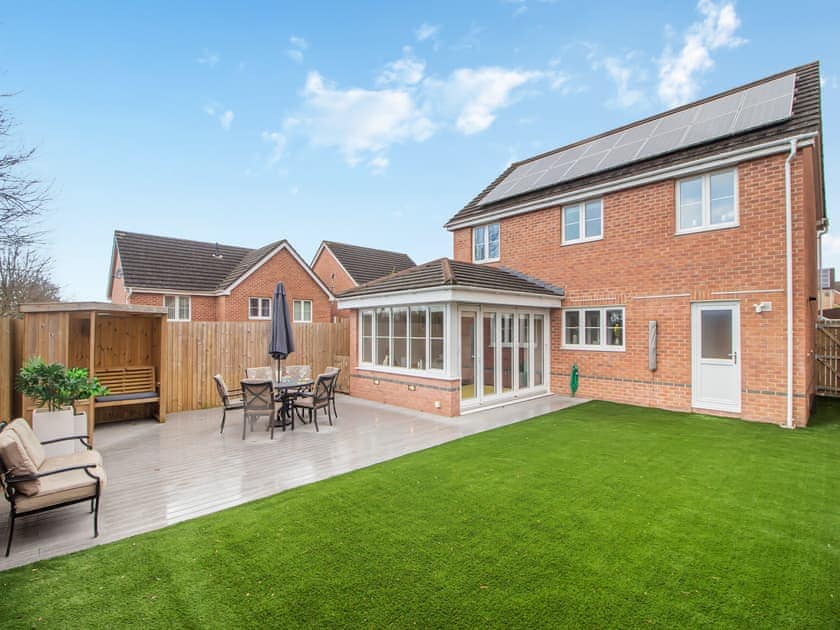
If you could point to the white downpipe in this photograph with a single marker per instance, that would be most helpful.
(789, 282)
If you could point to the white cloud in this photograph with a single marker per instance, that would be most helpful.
(226, 119)
(299, 44)
(278, 142)
(426, 31)
(625, 74)
(357, 121)
(406, 70)
(678, 71)
(379, 164)
(475, 95)
(208, 58)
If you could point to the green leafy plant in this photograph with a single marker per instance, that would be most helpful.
(53, 386)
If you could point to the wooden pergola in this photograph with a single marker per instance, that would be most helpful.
(121, 344)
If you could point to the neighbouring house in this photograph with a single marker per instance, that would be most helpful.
(671, 262)
(199, 281)
(830, 292)
(341, 266)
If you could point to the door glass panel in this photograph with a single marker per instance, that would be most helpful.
(488, 358)
(716, 333)
(468, 356)
(507, 352)
(400, 324)
(539, 360)
(524, 351)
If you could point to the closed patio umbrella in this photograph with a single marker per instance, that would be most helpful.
(282, 342)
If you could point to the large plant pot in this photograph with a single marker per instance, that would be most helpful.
(50, 425)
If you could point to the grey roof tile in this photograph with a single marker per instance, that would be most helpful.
(366, 263)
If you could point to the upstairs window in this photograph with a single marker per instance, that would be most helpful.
(177, 308)
(583, 222)
(302, 310)
(486, 243)
(259, 308)
(707, 202)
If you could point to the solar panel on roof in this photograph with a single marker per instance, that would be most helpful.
(746, 109)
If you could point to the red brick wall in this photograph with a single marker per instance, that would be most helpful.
(393, 389)
(118, 293)
(332, 274)
(299, 286)
(641, 256)
(202, 307)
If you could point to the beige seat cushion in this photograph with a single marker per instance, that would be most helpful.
(30, 442)
(17, 462)
(63, 487)
(74, 459)
(308, 402)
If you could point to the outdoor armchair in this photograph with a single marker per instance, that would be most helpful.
(299, 371)
(319, 398)
(261, 373)
(259, 402)
(231, 398)
(34, 483)
(333, 370)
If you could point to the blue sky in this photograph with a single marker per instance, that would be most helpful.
(369, 123)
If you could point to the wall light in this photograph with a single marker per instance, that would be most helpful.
(376, 381)
(412, 388)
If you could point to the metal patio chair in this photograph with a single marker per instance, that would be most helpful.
(259, 403)
(231, 398)
(319, 398)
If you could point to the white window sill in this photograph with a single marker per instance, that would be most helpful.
(436, 374)
(595, 348)
(178, 320)
(299, 321)
(579, 241)
(707, 228)
(259, 318)
(486, 260)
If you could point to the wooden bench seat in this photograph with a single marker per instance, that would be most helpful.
(130, 385)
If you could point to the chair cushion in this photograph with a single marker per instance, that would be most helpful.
(73, 459)
(29, 440)
(308, 402)
(63, 487)
(118, 397)
(17, 462)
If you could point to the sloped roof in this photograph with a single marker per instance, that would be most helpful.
(364, 264)
(806, 117)
(445, 272)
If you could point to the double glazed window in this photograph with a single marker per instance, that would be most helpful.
(302, 310)
(583, 222)
(177, 307)
(406, 337)
(594, 328)
(259, 308)
(486, 243)
(708, 201)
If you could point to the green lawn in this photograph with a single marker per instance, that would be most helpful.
(600, 515)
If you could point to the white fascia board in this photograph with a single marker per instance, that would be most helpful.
(435, 295)
(269, 256)
(669, 172)
(172, 292)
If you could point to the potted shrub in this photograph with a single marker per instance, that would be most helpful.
(55, 389)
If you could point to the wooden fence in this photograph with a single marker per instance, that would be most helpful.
(827, 354)
(195, 351)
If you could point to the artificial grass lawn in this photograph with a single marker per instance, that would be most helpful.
(599, 515)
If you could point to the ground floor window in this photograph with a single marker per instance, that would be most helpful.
(177, 307)
(302, 310)
(405, 337)
(594, 328)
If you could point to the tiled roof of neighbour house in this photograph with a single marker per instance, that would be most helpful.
(174, 264)
(805, 118)
(831, 313)
(366, 263)
(445, 272)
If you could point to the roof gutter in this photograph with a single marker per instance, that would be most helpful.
(789, 281)
(668, 172)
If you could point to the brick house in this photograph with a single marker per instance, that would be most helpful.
(199, 281)
(683, 251)
(341, 266)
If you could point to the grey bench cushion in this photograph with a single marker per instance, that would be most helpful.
(119, 397)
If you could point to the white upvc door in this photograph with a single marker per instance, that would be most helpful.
(716, 356)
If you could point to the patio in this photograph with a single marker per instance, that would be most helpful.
(160, 474)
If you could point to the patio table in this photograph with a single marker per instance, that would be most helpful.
(286, 389)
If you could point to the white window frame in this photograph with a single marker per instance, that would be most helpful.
(178, 299)
(260, 302)
(706, 203)
(302, 312)
(374, 340)
(486, 244)
(582, 238)
(603, 346)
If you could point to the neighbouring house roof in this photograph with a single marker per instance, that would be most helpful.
(364, 264)
(150, 262)
(831, 313)
(448, 273)
(805, 118)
